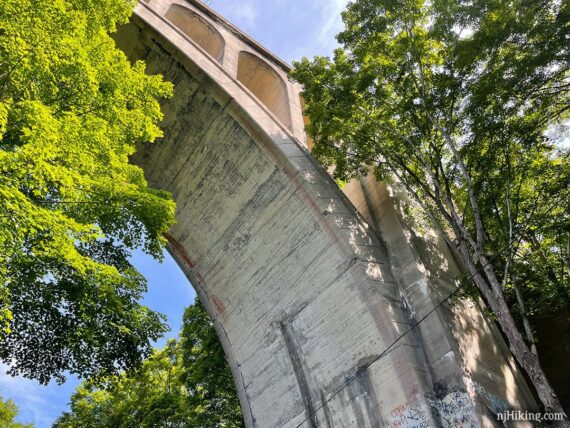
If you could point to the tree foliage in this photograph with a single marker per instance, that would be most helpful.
(72, 208)
(8, 412)
(186, 384)
(461, 103)
(206, 375)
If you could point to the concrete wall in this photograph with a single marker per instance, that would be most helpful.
(309, 298)
(463, 349)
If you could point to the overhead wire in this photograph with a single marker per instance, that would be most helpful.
(362, 369)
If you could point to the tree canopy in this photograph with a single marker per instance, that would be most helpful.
(8, 412)
(186, 384)
(461, 103)
(72, 109)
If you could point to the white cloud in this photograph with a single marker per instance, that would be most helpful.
(326, 15)
(332, 25)
(245, 12)
(37, 404)
(291, 28)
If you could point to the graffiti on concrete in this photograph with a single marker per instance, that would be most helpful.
(494, 403)
(412, 414)
(455, 410)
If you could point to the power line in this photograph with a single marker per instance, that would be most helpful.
(389, 348)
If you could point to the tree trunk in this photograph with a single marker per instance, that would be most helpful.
(568, 257)
(524, 356)
(529, 362)
(490, 288)
(526, 322)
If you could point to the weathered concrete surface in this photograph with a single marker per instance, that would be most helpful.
(305, 294)
(464, 351)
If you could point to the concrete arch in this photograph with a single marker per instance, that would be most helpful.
(262, 80)
(270, 243)
(198, 29)
(304, 293)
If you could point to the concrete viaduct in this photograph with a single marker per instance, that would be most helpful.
(309, 287)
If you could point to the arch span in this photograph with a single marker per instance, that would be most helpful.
(303, 292)
(270, 243)
(198, 29)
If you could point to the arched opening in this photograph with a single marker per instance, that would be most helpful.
(265, 84)
(195, 27)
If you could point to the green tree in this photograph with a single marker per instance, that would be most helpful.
(212, 397)
(72, 208)
(526, 195)
(150, 396)
(186, 384)
(8, 412)
(452, 100)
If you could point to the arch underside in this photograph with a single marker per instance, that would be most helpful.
(265, 84)
(296, 308)
(299, 286)
(195, 27)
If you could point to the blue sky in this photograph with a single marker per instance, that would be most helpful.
(169, 293)
(289, 28)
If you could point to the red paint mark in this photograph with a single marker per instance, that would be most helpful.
(218, 305)
(179, 250)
